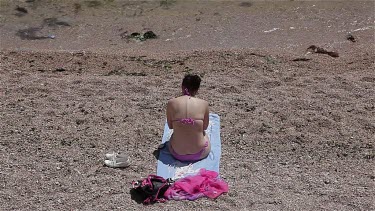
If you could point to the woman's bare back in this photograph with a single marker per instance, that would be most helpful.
(188, 117)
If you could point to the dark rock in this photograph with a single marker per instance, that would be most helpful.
(93, 3)
(114, 72)
(53, 22)
(246, 4)
(80, 121)
(301, 59)
(66, 142)
(60, 69)
(77, 7)
(165, 4)
(249, 109)
(327, 182)
(149, 35)
(136, 74)
(137, 36)
(350, 37)
(134, 35)
(316, 49)
(21, 9)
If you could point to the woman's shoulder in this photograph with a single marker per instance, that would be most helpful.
(181, 99)
(201, 101)
(175, 99)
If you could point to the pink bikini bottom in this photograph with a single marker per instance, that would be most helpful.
(189, 157)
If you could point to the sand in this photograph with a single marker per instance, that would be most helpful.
(297, 128)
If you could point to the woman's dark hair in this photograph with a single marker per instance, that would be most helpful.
(191, 82)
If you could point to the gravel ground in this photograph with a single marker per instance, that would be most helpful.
(298, 128)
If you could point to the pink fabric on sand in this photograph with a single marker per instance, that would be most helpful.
(204, 183)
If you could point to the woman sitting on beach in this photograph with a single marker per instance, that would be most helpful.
(188, 116)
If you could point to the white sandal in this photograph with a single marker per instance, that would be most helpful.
(117, 160)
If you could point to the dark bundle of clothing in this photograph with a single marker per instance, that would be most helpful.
(204, 183)
(151, 189)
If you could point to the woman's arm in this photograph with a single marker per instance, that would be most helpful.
(206, 120)
(169, 115)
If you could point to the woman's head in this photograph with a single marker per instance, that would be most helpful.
(190, 84)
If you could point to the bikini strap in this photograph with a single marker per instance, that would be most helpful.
(186, 92)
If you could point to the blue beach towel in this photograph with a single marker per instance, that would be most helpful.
(169, 167)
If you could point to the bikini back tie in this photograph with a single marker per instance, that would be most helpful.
(188, 121)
